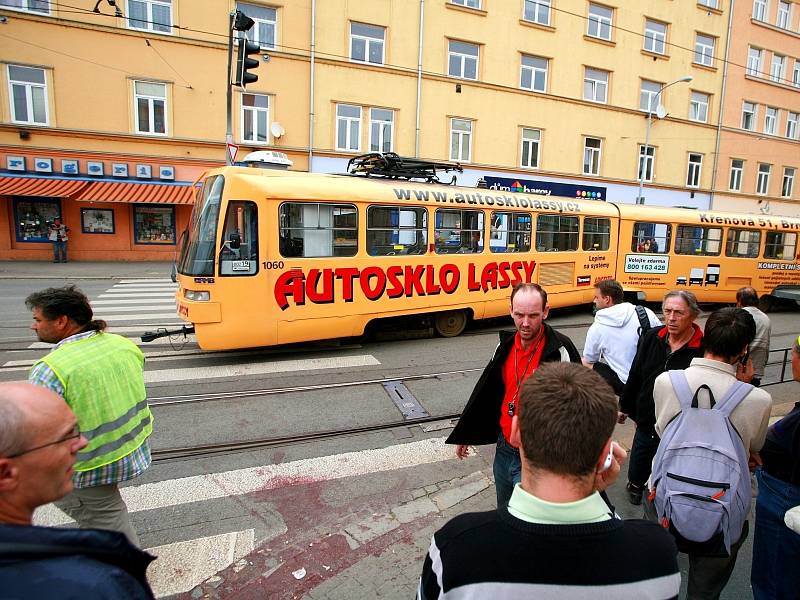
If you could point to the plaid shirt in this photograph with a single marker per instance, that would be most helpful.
(123, 469)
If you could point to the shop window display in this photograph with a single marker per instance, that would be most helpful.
(32, 218)
(154, 224)
(97, 220)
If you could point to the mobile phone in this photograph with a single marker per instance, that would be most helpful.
(745, 358)
(609, 459)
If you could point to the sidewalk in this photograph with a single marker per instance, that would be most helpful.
(84, 270)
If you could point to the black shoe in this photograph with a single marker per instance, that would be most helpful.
(55, 261)
(634, 494)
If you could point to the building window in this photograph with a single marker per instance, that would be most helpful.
(648, 95)
(796, 73)
(646, 163)
(698, 107)
(381, 130)
(694, 169)
(150, 15)
(531, 138)
(264, 32)
(28, 95)
(366, 43)
(743, 243)
(595, 85)
(468, 3)
(462, 60)
(784, 19)
(755, 56)
(35, 6)
(760, 10)
(255, 118)
(600, 18)
(150, 100)
(556, 233)
(778, 70)
(460, 140)
(533, 73)
(780, 245)
(709, 3)
(770, 120)
(319, 230)
(510, 232)
(655, 36)
(458, 231)
(791, 125)
(735, 180)
(591, 156)
(762, 183)
(748, 115)
(704, 50)
(154, 224)
(348, 127)
(537, 11)
(788, 182)
(33, 217)
(396, 230)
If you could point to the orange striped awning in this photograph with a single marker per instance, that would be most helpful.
(144, 193)
(41, 186)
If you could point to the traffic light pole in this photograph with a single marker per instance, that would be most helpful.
(229, 88)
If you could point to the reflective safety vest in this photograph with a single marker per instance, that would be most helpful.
(103, 382)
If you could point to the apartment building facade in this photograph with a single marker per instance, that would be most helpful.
(108, 116)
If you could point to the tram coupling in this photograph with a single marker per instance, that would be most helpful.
(149, 336)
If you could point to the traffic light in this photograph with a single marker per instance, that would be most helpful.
(244, 63)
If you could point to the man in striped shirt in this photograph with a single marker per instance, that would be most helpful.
(557, 538)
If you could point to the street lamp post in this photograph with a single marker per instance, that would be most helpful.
(643, 164)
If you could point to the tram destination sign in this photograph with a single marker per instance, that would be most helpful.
(546, 188)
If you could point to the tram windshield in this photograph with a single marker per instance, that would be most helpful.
(197, 254)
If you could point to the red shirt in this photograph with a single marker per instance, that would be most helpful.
(519, 365)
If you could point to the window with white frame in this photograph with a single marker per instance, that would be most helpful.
(41, 7)
(460, 140)
(462, 60)
(760, 10)
(595, 85)
(749, 115)
(537, 11)
(694, 169)
(531, 138)
(600, 19)
(704, 50)
(468, 3)
(366, 43)
(255, 118)
(150, 15)
(648, 95)
(27, 88)
(591, 155)
(755, 57)
(762, 182)
(784, 19)
(647, 159)
(698, 107)
(792, 119)
(655, 36)
(788, 182)
(264, 32)
(778, 69)
(381, 130)
(796, 73)
(533, 73)
(709, 3)
(735, 180)
(771, 120)
(150, 100)
(348, 127)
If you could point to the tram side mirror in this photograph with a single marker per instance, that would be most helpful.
(234, 240)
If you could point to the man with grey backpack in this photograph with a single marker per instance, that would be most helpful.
(711, 426)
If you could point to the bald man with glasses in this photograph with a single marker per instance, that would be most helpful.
(39, 443)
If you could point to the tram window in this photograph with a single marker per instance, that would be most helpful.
(780, 245)
(653, 238)
(596, 234)
(393, 230)
(510, 232)
(556, 233)
(698, 241)
(315, 229)
(458, 231)
(197, 254)
(743, 243)
(238, 253)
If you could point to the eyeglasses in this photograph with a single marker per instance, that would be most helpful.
(73, 434)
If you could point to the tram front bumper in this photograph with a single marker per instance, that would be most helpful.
(199, 312)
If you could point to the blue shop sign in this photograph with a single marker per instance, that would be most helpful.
(546, 188)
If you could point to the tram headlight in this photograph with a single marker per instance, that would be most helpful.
(197, 296)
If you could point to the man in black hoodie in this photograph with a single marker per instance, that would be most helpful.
(486, 418)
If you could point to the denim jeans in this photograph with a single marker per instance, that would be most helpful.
(640, 461)
(776, 548)
(60, 251)
(507, 470)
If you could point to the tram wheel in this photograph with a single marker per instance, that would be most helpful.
(450, 323)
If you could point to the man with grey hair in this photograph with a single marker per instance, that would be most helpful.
(39, 444)
(747, 298)
(666, 348)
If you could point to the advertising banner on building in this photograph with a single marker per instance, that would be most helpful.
(546, 188)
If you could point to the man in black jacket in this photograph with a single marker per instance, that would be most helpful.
(486, 418)
(670, 347)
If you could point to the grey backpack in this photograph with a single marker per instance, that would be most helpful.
(701, 480)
